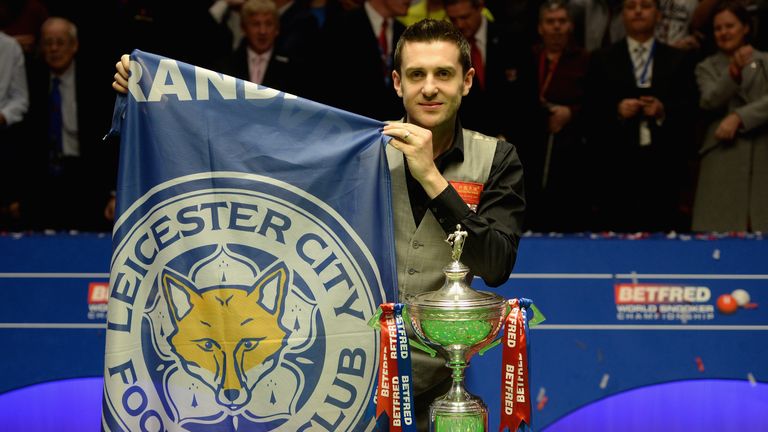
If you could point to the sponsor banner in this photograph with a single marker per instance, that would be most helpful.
(682, 303)
(244, 268)
(394, 398)
(98, 294)
(515, 390)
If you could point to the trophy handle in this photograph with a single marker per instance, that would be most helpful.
(498, 339)
(421, 344)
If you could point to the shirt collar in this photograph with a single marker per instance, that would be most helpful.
(482, 32)
(253, 55)
(68, 76)
(374, 17)
(632, 44)
(455, 153)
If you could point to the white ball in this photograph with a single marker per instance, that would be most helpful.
(741, 296)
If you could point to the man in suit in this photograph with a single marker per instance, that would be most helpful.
(640, 96)
(257, 59)
(495, 73)
(68, 160)
(361, 43)
(554, 155)
(14, 101)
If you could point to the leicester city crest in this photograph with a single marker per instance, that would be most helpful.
(238, 303)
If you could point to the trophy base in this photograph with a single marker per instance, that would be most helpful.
(469, 415)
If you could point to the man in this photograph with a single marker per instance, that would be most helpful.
(258, 59)
(360, 43)
(640, 95)
(428, 155)
(554, 155)
(71, 166)
(14, 102)
(492, 58)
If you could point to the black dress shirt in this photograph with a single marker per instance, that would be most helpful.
(494, 231)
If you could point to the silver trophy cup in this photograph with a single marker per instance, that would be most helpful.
(457, 321)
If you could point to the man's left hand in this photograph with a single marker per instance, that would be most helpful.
(652, 107)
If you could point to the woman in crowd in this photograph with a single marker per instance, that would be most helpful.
(732, 193)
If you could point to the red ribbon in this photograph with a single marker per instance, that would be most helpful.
(515, 393)
(387, 365)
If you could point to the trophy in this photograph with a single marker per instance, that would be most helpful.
(458, 322)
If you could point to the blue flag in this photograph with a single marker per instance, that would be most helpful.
(253, 241)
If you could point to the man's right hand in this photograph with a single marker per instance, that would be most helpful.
(629, 108)
(123, 67)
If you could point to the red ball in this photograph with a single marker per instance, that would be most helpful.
(727, 304)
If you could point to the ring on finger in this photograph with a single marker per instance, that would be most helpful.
(407, 134)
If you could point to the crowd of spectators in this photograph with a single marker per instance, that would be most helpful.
(629, 115)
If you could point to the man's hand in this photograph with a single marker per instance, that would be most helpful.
(652, 107)
(559, 116)
(689, 42)
(629, 108)
(727, 128)
(109, 209)
(416, 145)
(123, 67)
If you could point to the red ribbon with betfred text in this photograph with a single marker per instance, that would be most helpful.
(387, 366)
(515, 394)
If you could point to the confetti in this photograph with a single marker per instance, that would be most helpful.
(752, 380)
(541, 399)
(604, 381)
(542, 403)
(700, 364)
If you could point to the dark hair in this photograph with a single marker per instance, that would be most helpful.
(738, 9)
(551, 5)
(429, 30)
(656, 3)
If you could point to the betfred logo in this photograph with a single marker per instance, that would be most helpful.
(98, 292)
(658, 293)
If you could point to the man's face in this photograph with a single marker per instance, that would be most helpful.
(640, 17)
(431, 83)
(465, 17)
(58, 47)
(554, 28)
(261, 30)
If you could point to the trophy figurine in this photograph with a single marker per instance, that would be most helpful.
(457, 321)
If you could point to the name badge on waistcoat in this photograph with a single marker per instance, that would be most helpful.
(469, 192)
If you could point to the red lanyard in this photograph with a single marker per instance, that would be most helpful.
(545, 72)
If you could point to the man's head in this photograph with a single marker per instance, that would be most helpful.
(554, 25)
(466, 15)
(432, 71)
(59, 44)
(391, 8)
(261, 24)
(640, 18)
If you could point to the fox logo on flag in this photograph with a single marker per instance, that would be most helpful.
(253, 242)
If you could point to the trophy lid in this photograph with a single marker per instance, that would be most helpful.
(449, 297)
(455, 293)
